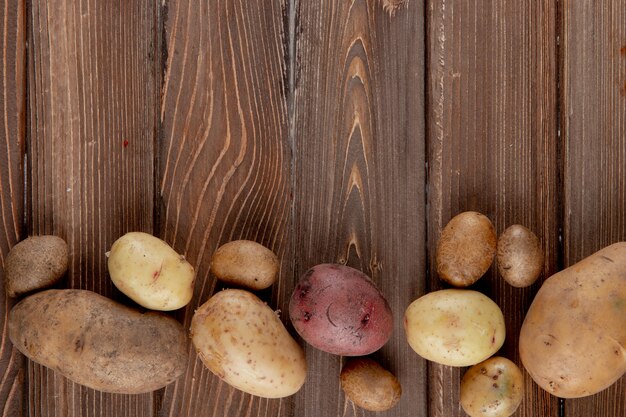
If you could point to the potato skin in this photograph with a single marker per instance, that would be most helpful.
(369, 385)
(34, 263)
(454, 327)
(150, 272)
(465, 249)
(242, 341)
(339, 310)
(493, 388)
(572, 341)
(99, 343)
(245, 263)
(520, 256)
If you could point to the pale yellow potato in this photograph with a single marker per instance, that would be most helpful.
(454, 327)
(493, 388)
(150, 272)
(573, 339)
(242, 341)
(245, 263)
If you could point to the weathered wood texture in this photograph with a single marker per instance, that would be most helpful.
(359, 173)
(93, 101)
(492, 148)
(12, 140)
(225, 166)
(594, 129)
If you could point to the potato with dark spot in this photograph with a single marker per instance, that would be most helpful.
(35, 263)
(465, 249)
(520, 256)
(339, 310)
(245, 263)
(370, 386)
(99, 343)
(493, 388)
(454, 327)
(573, 339)
(242, 341)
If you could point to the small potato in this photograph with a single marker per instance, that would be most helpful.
(520, 257)
(242, 341)
(369, 385)
(150, 272)
(245, 263)
(454, 327)
(493, 388)
(99, 343)
(34, 263)
(339, 310)
(465, 249)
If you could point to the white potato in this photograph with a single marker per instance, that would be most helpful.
(242, 341)
(454, 327)
(150, 272)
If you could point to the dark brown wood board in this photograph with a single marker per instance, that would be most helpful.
(225, 165)
(93, 101)
(12, 141)
(358, 138)
(594, 130)
(492, 148)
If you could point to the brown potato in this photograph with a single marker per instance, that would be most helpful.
(245, 263)
(369, 385)
(493, 388)
(572, 341)
(465, 249)
(34, 263)
(99, 343)
(520, 256)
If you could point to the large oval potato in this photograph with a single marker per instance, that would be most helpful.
(245, 263)
(34, 263)
(242, 341)
(465, 249)
(150, 272)
(97, 342)
(339, 310)
(454, 327)
(572, 341)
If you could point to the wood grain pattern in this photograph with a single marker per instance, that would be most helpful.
(12, 140)
(94, 89)
(594, 128)
(225, 170)
(359, 174)
(492, 148)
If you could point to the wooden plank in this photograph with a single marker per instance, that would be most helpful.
(94, 88)
(225, 165)
(492, 135)
(12, 140)
(359, 173)
(594, 128)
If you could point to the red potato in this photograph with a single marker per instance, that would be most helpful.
(339, 310)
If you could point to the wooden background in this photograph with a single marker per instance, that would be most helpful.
(328, 130)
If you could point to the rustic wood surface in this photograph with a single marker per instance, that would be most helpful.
(594, 129)
(330, 131)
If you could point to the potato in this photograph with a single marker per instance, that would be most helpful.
(150, 272)
(454, 327)
(572, 341)
(99, 343)
(34, 263)
(465, 249)
(520, 256)
(339, 310)
(493, 388)
(242, 341)
(245, 263)
(369, 385)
